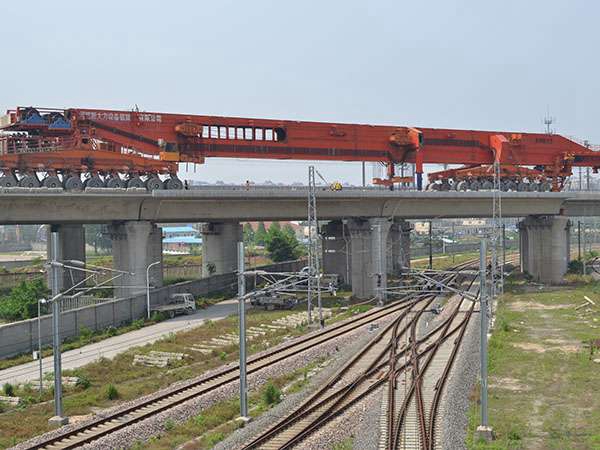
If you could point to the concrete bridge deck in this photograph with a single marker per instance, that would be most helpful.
(38, 206)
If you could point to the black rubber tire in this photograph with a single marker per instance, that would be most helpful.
(474, 185)
(73, 183)
(154, 184)
(115, 182)
(135, 182)
(29, 181)
(173, 183)
(522, 187)
(462, 185)
(487, 185)
(94, 182)
(52, 181)
(8, 181)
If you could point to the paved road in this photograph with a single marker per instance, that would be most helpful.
(118, 344)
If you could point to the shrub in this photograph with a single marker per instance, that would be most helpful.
(169, 425)
(137, 324)
(222, 356)
(111, 392)
(21, 303)
(26, 400)
(111, 331)
(83, 382)
(199, 420)
(271, 394)
(514, 435)
(503, 325)
(85, 334)
(213, 439)
(157, 316)
(8, 389)
(575, 266)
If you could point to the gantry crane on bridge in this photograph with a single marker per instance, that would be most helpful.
(77, 148)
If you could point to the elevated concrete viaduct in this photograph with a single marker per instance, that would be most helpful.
(26, 206)
(363, 222)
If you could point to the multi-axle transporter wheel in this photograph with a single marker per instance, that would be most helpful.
(114, 182)
(173, 183)
(135, 182)
(93, 182)
(52, 181)
(8, 180)
(29, 181)
(73, 183)
(154, 183)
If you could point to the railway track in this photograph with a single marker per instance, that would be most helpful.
(103, 426)
(413, 404)
(331, 400)
(364, 374)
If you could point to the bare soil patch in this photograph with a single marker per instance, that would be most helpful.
(521, 306)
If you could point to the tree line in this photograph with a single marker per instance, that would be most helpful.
(280, 242)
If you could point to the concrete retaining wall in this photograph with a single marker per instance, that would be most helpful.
(22, 337)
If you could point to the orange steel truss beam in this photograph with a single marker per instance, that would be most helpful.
(154, 142)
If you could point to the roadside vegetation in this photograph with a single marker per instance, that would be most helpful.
(22, 301)
(280, 242)
(130, 382)
(542, 381)
(217, 422)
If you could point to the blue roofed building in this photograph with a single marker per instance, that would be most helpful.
(180, 240)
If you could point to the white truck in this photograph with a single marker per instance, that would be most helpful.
(177, 304)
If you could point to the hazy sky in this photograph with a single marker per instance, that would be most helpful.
(456, 64)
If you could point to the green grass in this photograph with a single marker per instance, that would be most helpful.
(441, 262)
(134, 381)
(543, 386)
(86, 337)
(218, 421)
(346, 444)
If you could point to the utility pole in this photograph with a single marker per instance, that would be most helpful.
(242, 317)
(430, 245)
(39, 323)
(579, 240)
(503, 246)
(378, 255)
(56, 270)
(364, 178)
(453, 243)
(484, 431)
(583, 259)
(587, 176)
(314, 249)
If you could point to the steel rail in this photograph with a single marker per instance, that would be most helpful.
(173, 397)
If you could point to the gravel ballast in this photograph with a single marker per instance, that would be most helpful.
(352, 345)
(142, 431)
(455, 400)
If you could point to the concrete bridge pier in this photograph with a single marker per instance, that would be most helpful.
(136, 245)
(545, 247)
(368, 244)
(71, 246)
(337, 258)
(219, 247)
(398, 246)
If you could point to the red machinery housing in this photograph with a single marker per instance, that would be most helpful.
(78, 148)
